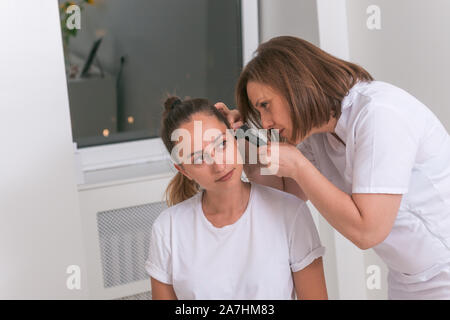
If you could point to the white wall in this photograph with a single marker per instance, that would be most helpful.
(40, 229)
(411, 50)
(289, 17)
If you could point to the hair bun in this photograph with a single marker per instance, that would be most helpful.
(171, 103)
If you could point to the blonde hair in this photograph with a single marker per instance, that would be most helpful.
(180, 188)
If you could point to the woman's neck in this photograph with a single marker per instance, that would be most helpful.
(330, 127)
(227, 202)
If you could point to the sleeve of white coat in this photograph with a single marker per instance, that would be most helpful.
(385, 151)
(304, 242)
(159, 261)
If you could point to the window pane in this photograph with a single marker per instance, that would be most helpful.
(148, 48)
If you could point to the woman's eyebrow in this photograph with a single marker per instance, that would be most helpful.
(201, 151)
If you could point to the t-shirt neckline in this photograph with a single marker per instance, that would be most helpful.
(229, 226)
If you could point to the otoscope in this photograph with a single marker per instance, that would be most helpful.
(248, 134)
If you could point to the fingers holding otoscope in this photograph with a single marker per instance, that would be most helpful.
(233, 116)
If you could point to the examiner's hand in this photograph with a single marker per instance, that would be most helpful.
(233, 116)
(281, 159)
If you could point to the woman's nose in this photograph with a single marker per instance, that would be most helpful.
(218, 162)
(218, 165)
(266, 122)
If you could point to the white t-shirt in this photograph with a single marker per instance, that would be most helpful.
(395, 145)
(250, 259)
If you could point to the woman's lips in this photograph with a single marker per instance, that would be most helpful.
(226, 177)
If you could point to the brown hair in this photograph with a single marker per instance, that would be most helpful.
(312, 81)
(176, 113)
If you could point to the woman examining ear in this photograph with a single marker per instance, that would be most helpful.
(222, 238)
(370, 157)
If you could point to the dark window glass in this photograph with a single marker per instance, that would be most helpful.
(148, 48)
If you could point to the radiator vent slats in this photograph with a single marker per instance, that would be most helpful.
(124, 241)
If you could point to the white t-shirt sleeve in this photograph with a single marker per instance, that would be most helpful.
(384, 151)
(159, 262)
(305, 245)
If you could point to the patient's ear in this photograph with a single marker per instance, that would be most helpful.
(182, 171)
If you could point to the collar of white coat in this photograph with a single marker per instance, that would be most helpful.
(346, 103)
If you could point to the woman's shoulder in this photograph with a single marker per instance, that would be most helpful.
(375, 87)
(279, 209)
(177, 211)
(278, 201)
(381, 101)
(380, 93)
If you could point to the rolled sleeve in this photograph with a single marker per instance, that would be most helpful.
(305, 245)
(159, 262)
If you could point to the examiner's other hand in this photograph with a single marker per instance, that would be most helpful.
(233, 116)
